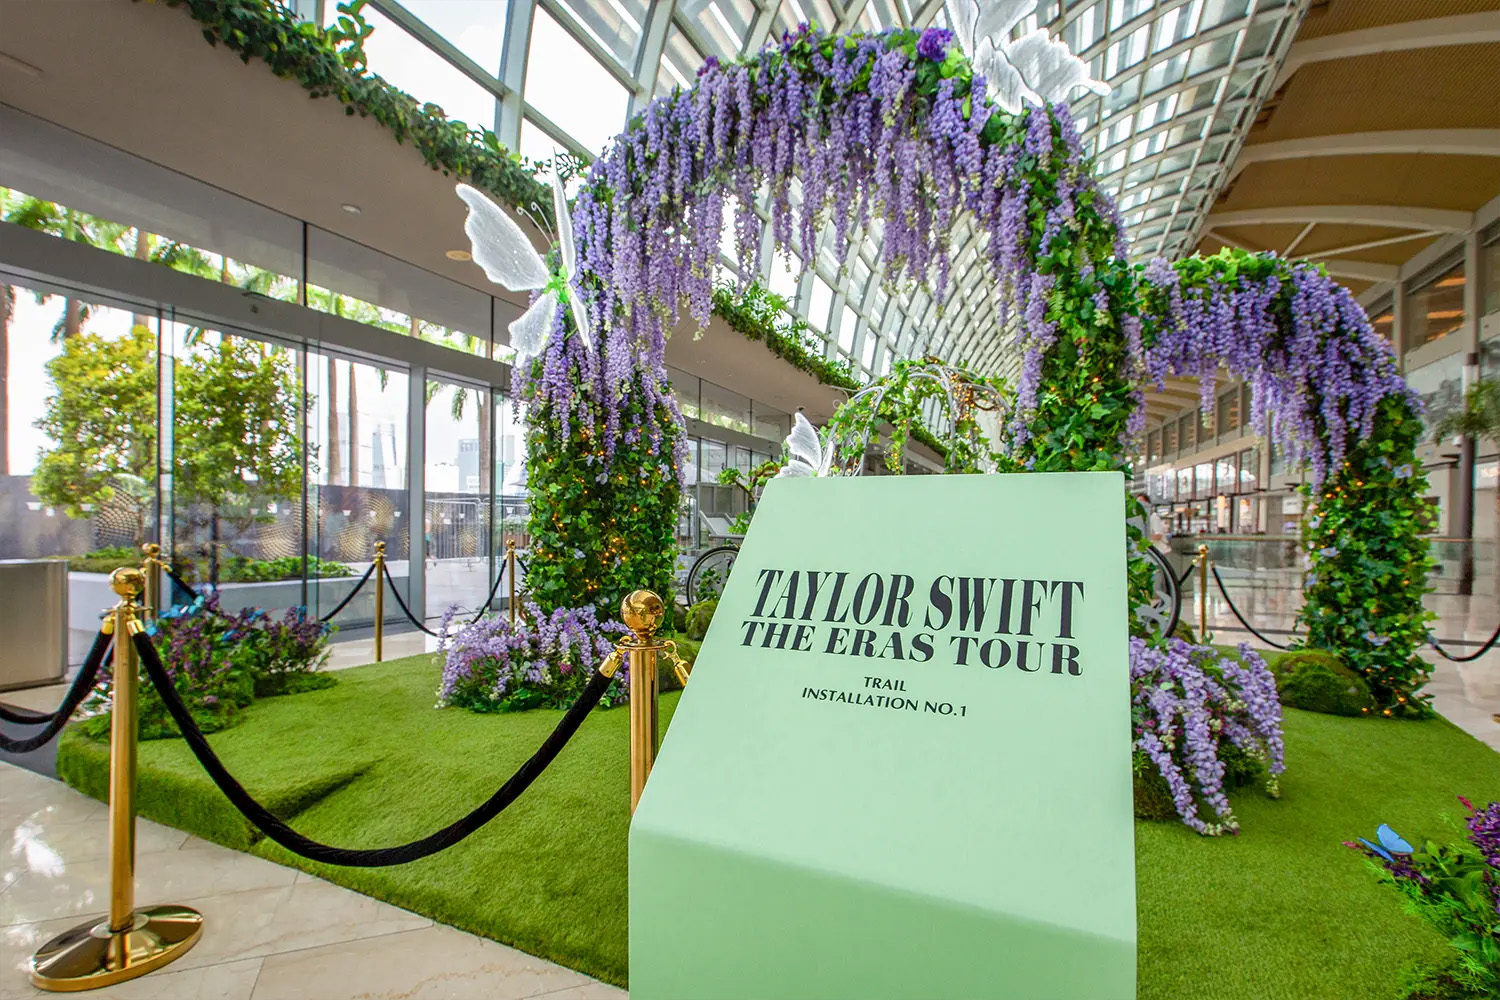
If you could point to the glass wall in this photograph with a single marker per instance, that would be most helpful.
(78, 440)
(237, 458)
(456, 508)
(356, 482)
(1435, 309)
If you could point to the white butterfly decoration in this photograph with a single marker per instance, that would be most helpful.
(509, 259)
(809, 456)
(1034, 67)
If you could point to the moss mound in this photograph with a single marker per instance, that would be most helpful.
(1319, 681)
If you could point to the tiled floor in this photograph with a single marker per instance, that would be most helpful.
(1468, 694)
(270, 933)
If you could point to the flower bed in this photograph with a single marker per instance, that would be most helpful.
(219, 664)
(1186, 702)
(1456, 889)
(544, 661)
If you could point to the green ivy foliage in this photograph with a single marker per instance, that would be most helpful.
(330, 63)
(762, 315)
(908, 386)
(1371, 563)
(1363, 596)
(592, 541)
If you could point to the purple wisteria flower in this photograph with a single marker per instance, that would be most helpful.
(934, 44)
(1186, 700)
(545, 660)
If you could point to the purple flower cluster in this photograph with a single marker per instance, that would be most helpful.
(1185, 701)
(1315, 366)
(834, 137)
(545, 660)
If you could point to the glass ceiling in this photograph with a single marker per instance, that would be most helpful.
(1188, 77)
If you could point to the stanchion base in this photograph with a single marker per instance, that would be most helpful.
(90, 955)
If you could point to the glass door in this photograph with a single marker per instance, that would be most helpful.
(357, 485)
(457, 512)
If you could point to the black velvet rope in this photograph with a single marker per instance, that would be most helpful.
(281, 833)
(54, 722)
(1469, 656)
(500, 576)
(350, 596)
(179, 581)
(1186, 573)
(1236, 611)
(402, 604)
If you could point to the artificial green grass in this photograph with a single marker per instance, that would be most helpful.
(1281, 911)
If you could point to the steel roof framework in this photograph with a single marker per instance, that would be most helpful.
(1188, 77)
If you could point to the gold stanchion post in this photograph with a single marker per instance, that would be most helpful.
(642, 612)
(129, 942)
(151, 567)
(379, 600)
(1203, 593)
(510, 572)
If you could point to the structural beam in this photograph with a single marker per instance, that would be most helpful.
(1432, 141)
(1460, 29)
(1361, 270)
(1393, 216)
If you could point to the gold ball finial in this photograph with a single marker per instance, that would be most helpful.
(380, 547)
(510, 543)
(151, 549)
(128, 582)
(642, 611)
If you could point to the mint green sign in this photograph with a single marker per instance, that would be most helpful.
(902, 765)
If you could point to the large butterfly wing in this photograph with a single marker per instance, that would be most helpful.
(530, 332)
(996, 18)
(498, 244)
(803, 444)
(564, 226)
(796, 469)
(580, 316)
(1049, 67)
(1004, 81)
(1391, 840)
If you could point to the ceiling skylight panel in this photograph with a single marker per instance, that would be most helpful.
(1164, 73)
(679, 62)
(1122, 12)
(723, 25)
(609, 25)
(1212, 56)
(1217, 12)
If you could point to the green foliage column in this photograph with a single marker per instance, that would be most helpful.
(1370, 562)
(601, 526)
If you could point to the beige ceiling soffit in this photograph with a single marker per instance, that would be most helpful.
(1209, 233)
(1292, 246)
(1436, 141)
(1372, 244)
(1442, 220)
(1461, 29)
(1361, 270)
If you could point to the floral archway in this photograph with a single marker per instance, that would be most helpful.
(833, 135)
(893, 130)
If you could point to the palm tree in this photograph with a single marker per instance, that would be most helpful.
(69, 224)
(1479, 417)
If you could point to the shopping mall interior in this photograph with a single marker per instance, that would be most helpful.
(404, 378)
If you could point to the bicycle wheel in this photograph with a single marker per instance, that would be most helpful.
(709, 573)
(1165, 609)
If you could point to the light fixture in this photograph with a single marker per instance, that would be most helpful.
(350, 207)
(458, 255)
